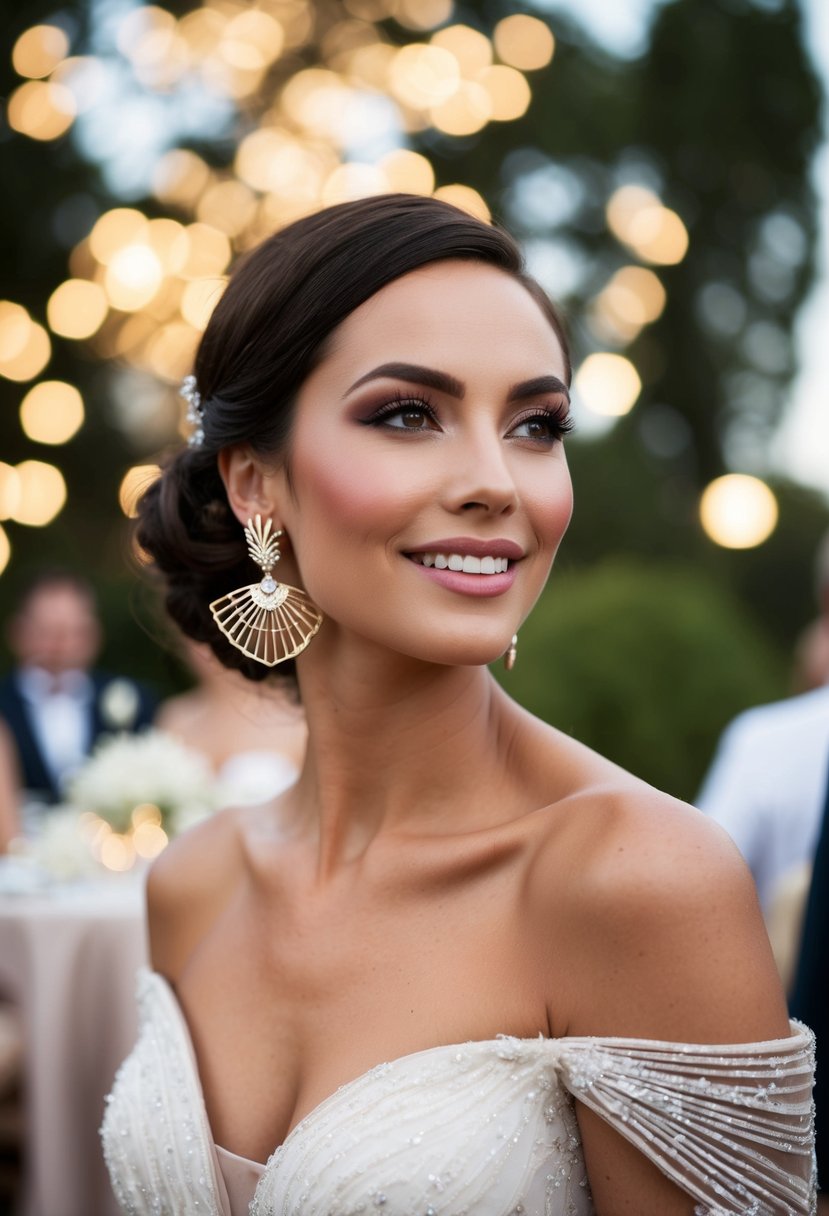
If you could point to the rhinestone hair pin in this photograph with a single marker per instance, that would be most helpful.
(195, 411)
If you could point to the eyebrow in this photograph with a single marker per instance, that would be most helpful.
(414, 373)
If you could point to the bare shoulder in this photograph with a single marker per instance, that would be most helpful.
(188, 886)
(656, 919)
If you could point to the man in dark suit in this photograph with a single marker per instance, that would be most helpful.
(54, 704)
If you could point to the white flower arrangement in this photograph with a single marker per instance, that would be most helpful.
(128, 799)
(151, 769)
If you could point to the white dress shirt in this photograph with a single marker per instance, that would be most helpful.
(59, 712)
(767, 784)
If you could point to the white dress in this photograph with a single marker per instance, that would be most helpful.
(480, 1128)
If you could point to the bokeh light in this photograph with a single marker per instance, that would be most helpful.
(41, 109)
(133, 277)
(25, 348)
(465, 198)
(524, 42)
(608, 384)
(5, 549)
(42, 493)
(51, 412)
(39, 50)
(738, 511)
(77, 308)
(637, 217)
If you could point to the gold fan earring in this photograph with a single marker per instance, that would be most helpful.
(268, 621)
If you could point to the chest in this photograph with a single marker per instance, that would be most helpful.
(315, 994)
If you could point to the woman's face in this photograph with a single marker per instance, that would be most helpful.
(429, 439)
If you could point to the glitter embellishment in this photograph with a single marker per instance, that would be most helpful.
(195, 410)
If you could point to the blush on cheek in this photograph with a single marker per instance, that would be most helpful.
(357, 495)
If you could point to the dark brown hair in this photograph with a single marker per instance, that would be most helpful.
(267, 334)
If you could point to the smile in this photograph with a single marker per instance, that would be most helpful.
(463, 563)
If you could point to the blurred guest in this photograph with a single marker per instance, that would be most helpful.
(253, 735)
(811, 661)
(54, 704)
(9, 788)
(808, 1001)
(766, 785)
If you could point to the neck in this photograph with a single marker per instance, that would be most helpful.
(395, 745)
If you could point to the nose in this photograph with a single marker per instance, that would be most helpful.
(480, 479)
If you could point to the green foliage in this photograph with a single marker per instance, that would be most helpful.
(646, 663)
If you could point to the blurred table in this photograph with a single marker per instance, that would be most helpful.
(68, 957)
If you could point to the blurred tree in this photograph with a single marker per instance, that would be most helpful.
(646, 663)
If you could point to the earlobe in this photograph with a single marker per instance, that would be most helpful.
(251, 489)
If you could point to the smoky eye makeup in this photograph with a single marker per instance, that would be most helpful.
(544, 424)
(393, 412)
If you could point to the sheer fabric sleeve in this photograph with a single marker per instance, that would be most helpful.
(733, 1126)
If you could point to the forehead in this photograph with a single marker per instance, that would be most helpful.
(450, 315)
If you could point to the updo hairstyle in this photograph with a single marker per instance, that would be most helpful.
(267, 334)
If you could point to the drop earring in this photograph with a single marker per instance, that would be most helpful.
(268, 621)
(511, 653)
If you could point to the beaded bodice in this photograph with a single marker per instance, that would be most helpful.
(485, 1127)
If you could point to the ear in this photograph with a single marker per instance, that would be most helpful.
(252, 487)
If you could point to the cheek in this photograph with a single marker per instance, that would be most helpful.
(551, 507)
(352, 493)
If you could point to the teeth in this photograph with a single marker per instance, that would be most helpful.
(468, 564)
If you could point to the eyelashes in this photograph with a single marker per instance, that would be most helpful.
(542, 426)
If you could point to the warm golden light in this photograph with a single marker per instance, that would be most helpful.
(633, 297)
(209, 252)
(41, 109)
(423, 76)
(252, 40)
(229, 206)
(39, 50)
(9, 490)
(471, 49)
(198, 300)
(149, 839)
(524, 42)
(465, 198)
(170, 351)
(5, 549)
(408, 172)
(15, 324)
(422, 14)
(51, 412)
(117, 852)
(77, 309)
(468, 110)
(25, 348)
(132, 277)
(179, 177)
(608, 384)
(42, 493)
(114, 230)
(636, 216)
(168, 239)
(508, 92)
(737, 511)
(353, 181)
(133, 484)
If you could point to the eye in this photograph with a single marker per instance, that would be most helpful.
(410, 415)
(543, 426)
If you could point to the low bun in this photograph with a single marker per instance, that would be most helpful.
(198, 546)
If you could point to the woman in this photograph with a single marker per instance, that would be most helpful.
(335, 974)
(253, 737)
